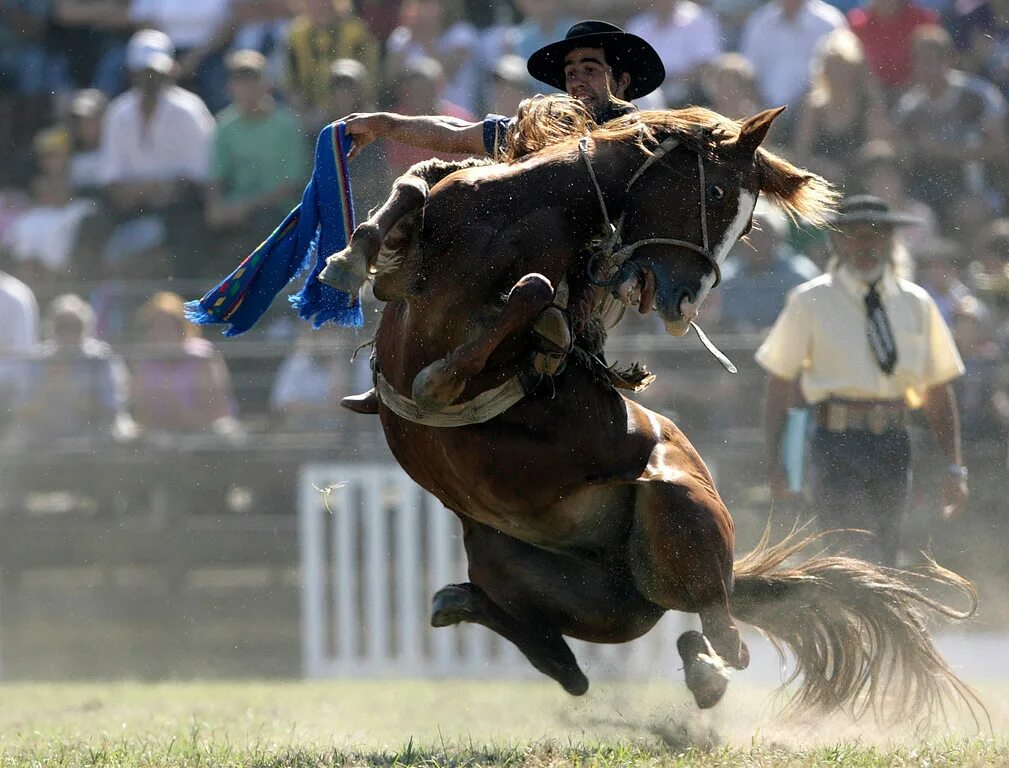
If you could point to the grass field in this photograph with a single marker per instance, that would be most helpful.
(451, 724)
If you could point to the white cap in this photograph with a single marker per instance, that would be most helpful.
(150, 49)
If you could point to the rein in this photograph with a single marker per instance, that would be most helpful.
(612, 251)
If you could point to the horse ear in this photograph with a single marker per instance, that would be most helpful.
(754, 129)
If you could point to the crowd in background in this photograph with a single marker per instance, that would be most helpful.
(903, 100)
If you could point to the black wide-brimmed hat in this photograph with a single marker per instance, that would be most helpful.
(629, 52)
(869, 209)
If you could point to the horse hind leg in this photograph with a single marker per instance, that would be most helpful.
(547, 651)
(682, 560)
(444, 380)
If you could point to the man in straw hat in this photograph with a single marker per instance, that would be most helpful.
(865, 347)
(597, 63)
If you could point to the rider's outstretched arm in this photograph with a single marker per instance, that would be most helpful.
(439, 133)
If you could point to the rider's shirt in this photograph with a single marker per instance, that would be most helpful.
(495, 127)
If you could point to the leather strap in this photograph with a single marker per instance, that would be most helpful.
(481, 408)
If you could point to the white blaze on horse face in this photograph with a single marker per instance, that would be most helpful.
(744, 210)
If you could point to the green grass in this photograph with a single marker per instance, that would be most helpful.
(441, 724)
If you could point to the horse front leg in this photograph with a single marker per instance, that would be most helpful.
(444, 380)
(348, 269)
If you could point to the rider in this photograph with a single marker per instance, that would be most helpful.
(597, 63)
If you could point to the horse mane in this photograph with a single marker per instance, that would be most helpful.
(552, 126)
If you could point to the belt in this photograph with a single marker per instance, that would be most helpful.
(875, 416)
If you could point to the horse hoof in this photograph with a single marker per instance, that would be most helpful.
(451, 605)
(707, 679)
(340, 273)
(575, 683)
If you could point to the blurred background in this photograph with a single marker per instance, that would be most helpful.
(152, 476)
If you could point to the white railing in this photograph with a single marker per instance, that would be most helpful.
(374, 549)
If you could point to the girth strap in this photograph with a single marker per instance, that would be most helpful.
(481, 408)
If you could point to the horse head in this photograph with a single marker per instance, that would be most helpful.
(714, 169)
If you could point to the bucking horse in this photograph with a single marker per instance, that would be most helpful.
(584, 514)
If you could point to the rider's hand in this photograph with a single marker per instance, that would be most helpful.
(952, 496)
(363, 130)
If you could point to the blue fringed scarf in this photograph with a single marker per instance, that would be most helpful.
(309, 234)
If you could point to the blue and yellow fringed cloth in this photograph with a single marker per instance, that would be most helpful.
(309, 234)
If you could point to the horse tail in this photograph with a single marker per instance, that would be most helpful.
(857, 631)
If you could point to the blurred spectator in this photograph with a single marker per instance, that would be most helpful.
(325, 30)
(92, 34)
(86, 112)
(779, 39)
(877, 171)
(435, 29)
(731, 86)
(980, 29)
(937, 265)
(200, 31)
(155, 151)
(381, 16)
(262, 25)
(543, 21)
(686, 36)
(76, 386)
(759, 273)
(977, 391)
(952, 126)
(42, 240)
(509, 85)
(419, 91)
(842, 111)
(885, 28)
(19, 335)
(309, 384)
(989, 270)
(349, 93)
(258, 160)
(181, 383)
(27, 65)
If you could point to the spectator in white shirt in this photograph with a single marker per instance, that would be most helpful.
(685, 35)
(155, 144)
(19, 333)
(779, 39)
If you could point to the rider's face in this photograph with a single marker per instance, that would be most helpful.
(589, 79)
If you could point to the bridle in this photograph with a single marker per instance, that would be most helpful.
(611, 254)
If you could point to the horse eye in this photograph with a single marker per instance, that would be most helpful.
(715, 192)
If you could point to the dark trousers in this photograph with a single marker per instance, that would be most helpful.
(861, 480)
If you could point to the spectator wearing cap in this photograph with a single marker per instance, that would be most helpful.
(686, 36)
(258, 157)
(865, 347)
(155, 147)
(86, 112)
(41, 242)
(322, 32)
(952, 126)
(780, 39)
(759, 273)
(200, 31)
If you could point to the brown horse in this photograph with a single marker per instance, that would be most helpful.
(586, 515)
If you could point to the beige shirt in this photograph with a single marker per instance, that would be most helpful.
(820, 337)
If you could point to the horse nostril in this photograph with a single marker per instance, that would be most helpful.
(683, 304)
